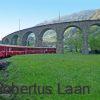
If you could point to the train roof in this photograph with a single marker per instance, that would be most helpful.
(23, 46)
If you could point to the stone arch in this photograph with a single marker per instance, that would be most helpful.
(69, 26)
(94, 25)
(49, 37)
(43, 31)
(72, 38)
(25, 38)
(97, 24)
(14, 40)
(6, 41)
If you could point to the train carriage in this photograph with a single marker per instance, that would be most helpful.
(10, 50)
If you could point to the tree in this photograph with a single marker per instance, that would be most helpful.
(73, 39)
(94, 38)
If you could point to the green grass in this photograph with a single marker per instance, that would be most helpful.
(67, 69)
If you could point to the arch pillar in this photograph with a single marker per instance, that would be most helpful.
(38, 41)
(24, 38)
(14, 40)
(59, 45)
(85, 45)
(20, 41)
(6, 41)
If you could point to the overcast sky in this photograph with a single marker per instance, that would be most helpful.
(32, 12)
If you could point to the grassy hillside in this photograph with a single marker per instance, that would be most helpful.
(66, 69)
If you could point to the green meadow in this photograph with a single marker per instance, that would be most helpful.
(51, 69)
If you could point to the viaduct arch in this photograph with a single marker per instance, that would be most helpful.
(59, 28)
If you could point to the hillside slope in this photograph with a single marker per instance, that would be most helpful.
(82, 15)
(96, 15)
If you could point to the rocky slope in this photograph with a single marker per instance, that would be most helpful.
(82, 15)
(96, 15)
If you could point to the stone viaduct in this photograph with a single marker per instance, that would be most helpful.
(58, 27)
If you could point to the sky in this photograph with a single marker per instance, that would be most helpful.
(33, 12)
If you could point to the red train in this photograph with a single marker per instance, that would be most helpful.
(10, 50)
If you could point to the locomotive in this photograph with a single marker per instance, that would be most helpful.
(10, 50)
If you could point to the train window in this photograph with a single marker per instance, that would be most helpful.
(10, 49)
